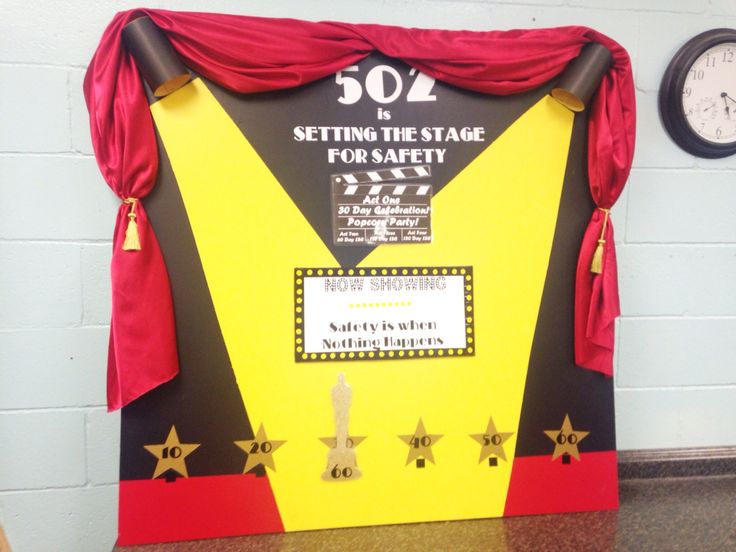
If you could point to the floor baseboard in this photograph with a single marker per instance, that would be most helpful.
(685, 462)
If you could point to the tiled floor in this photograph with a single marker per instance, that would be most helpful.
(686, 514)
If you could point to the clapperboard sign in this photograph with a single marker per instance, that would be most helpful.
(382, 206)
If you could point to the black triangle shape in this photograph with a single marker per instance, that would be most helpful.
(268, 119)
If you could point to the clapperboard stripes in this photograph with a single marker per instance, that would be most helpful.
(393, 189)
(382, 206)
(381, 175)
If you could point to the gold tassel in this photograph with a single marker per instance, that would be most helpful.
(132, 241)
(596, 264)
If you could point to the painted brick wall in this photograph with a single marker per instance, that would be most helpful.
(676, 385)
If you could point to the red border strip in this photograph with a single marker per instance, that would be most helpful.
(153, 510)
(540, 486)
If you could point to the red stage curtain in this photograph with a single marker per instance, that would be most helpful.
(250, 54)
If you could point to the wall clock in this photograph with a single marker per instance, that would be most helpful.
(697, 97)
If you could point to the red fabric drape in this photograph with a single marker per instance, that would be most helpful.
(250, 54)
(610, 154)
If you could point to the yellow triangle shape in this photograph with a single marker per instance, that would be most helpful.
(498, 215)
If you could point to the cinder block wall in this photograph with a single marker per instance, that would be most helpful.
(675, 227)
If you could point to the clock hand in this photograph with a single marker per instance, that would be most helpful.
(725, 95)
(728, 109)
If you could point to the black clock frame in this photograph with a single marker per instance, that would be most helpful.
(671, 110)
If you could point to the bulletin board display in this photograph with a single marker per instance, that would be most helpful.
(373, 279)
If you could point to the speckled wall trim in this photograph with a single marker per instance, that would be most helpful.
(689, 462)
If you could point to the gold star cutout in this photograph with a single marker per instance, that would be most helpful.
(420, 443)
(491, 442)
(353, 442)
(259, 450)
(171, 454)
(566, 439)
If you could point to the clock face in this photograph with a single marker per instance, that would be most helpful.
(709, 94)
(697, 97)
